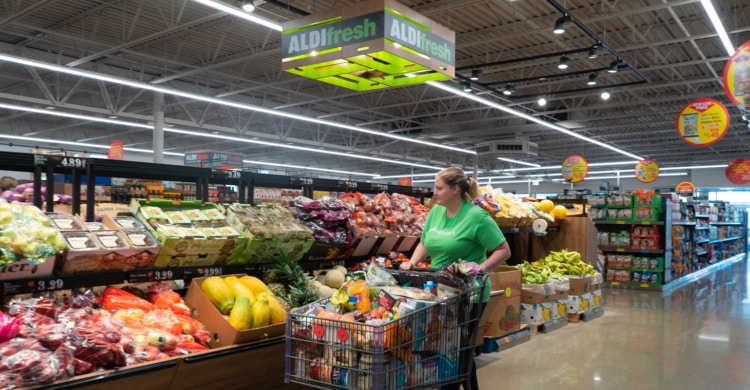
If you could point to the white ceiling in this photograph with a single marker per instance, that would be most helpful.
(185, 46)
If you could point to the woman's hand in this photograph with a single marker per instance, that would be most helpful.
(405, 266)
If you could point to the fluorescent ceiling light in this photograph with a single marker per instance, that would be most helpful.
(496, 177)
(75, 116)
(633, 176)
(510, 160)
(513, 181)
(406, 175)
(718, 26)
(693, 167)
(607, 164)
(175, 92)
(531, 118)
(536, 169)
(295, 147)
(80, 144)
(240, 13)
(308, 168)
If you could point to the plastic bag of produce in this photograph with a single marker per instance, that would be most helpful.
(25, 362)
(8, 327)
(114, 298)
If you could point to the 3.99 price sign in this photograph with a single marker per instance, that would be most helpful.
(574, 168)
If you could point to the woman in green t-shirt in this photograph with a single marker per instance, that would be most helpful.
(457, 229)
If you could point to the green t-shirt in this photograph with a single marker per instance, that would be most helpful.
(468, 236)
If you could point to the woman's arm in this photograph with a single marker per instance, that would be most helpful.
(500, 255)
(419, 254)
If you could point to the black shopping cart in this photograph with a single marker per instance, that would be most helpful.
(430, 347)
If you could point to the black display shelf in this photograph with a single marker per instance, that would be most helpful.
(724, 240)
(62, 282)
(629, 250)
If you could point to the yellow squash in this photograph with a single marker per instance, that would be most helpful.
(261, 312)
(241, 317)
(219, 293)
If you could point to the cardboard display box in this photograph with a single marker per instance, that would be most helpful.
(531, 298)
(73, 261)
(537, 313)
(580, 285)
(580, 303)
(22, 269)
(596, 298)
(506, 279)
(500, 317)
(221, 333)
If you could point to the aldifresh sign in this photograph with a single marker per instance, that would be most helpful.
(368, 45)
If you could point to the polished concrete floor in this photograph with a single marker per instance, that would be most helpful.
(693, 337)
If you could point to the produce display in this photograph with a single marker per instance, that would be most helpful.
(328, 218)
(26, 234)
(509, 208)
(247, 305)
(266, 222)
(386, 214)
(170, 221)
(52, 338)
(556, 265)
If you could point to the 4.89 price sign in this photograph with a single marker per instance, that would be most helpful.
(574, 168)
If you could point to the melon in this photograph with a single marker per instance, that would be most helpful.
(334, 279)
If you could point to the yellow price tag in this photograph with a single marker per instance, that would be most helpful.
(507, 292)
(615, 283)
(620, 222)
(620, 249)
(645, 222)
(644, 285)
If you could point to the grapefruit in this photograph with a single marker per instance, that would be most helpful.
(546, 205)
(559, 212)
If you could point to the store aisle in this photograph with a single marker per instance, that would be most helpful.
(695, 337)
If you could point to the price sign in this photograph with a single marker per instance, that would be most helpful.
(50, 285)
(348, 184)
(73, 162)
(703, 122)
(737, 77)
(646, 170)
(210, 271)
(225, 174)
(738, 171)
(575, 168)
(61, 161)
(685, 188)
(305, 181)
(148, 275)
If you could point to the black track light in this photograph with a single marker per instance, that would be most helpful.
(475, 74)
(594, 52)
(509, 89)
(592, 79)
(563, 62)
(467, 86)
(560, 25)
(613, 66)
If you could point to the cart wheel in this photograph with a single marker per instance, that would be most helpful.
(477, 350)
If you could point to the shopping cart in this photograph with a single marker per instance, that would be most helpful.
(429, 347)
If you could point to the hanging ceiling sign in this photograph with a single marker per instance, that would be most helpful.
(369, 45)
(646, 171)
(685, 188)
(116, 150)
(738, 171)
(211, 159)
(737, 77)
(703, 122)
(575, 168)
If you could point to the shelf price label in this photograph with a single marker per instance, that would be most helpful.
(210, 271)
(61, 161)
(227, 174)
(49, 285)
(141, 276)
(305, 181)
(348, 184)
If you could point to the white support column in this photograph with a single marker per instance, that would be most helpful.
(158, 127)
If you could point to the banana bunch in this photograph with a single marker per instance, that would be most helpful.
(555, 266)
(341, 299)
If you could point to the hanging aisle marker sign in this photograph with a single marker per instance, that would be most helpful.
(737, 77)
(574, 168)
(685, 188)
(703, 122)
(738, 171)
(116, 150)
(646, 171)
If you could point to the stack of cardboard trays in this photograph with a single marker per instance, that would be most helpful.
(543, 303)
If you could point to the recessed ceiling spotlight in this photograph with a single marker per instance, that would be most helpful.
(475, 74)
(248, 5)
(542, 101)
(563, 62)
(509, 89)
(467, 86)
(606, 95)
(594, 52)
(613, 66)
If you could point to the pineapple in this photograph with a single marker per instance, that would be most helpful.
(300, 289)
(270, 278)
